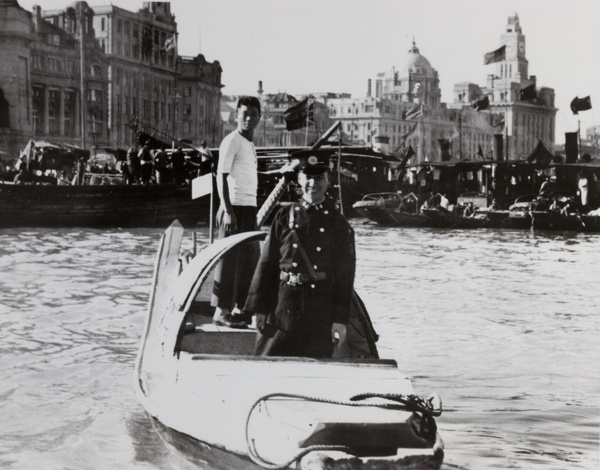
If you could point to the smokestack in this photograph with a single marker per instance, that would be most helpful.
(571, 147)
(369, 88)
(260, 88)
(499, 147)
(37, 17)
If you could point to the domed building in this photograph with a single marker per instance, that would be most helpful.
(415, 81)
(405, 108)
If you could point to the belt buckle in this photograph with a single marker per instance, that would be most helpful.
(294, 279)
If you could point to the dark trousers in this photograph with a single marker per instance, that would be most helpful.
(234, 272)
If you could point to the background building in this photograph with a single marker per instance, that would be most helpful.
(405, 106)
(126, 67)
(272, 131)
(528, 118)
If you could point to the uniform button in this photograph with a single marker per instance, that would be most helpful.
(321, 229)
(315, 266)
(297, 208)
(318, 248)
(294, 264)
(295, 245)
(326, 212)
(296, 225)
(312, 286)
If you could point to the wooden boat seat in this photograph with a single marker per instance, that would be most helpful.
(212, 339)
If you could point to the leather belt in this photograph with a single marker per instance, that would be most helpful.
(299, 279)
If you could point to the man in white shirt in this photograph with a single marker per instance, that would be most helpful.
(237, 183)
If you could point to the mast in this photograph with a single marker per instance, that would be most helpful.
(83, 97)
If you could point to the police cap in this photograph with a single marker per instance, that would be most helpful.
(312, 161)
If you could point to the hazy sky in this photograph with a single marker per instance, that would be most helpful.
(303, 46)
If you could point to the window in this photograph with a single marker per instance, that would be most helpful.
(53, 111)
(69, 112)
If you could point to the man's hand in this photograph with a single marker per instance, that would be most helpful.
(338, 334)
(229, 221)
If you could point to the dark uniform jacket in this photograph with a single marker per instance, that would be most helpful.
(328, 240)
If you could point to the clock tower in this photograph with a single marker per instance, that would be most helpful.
(514, 68)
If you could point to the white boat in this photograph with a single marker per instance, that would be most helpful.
(203, 382)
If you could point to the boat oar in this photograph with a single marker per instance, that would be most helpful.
(289, 172)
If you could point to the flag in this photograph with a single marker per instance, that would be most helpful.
(528, 93)
(454, 135)
(498, 120)
(480, 153)
(409, 154)
(414, 113)
(581, 104)
(170, 43)
(202, 185)
(410, 131)
(483, 103)
(299, 115)
(444, 150)
(540, 155)
(495, 56)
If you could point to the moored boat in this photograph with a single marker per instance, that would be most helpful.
(120, 205)
(392, 210)
(203, 382)
(444, 218)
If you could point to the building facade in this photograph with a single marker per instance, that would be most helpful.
(170, 97)
(527, 120)
(271, 130)
(198, 100)
(405, 108)
(62, 66)
(124, 63)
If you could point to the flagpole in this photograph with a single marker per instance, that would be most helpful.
(578, 137)
(211, 210)
(307, 121)
(460, 133)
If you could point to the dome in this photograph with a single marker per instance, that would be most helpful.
(416, 63)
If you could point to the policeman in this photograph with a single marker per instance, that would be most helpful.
(303, 283)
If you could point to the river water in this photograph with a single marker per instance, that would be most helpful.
(503, 325)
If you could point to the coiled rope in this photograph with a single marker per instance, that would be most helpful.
(405, 403)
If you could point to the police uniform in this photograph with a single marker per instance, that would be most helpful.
(296, 304)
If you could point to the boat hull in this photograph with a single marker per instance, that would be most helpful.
(390, 217)
(443, 218)
(99, 206)
(203, 381)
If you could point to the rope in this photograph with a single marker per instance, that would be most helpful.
(405, 403)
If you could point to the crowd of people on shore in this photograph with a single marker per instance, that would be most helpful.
(137, 166)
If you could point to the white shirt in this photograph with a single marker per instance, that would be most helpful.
(237, 157)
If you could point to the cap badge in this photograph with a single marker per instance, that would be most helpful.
(312, 160)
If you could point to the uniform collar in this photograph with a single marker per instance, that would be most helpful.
(325, 204)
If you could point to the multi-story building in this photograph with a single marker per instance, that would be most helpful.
(43, 74)
(172, 97)
(405, 106)
(199, 100)
(62, 66)
(124, 63)
(527, 119)
(272, 131)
